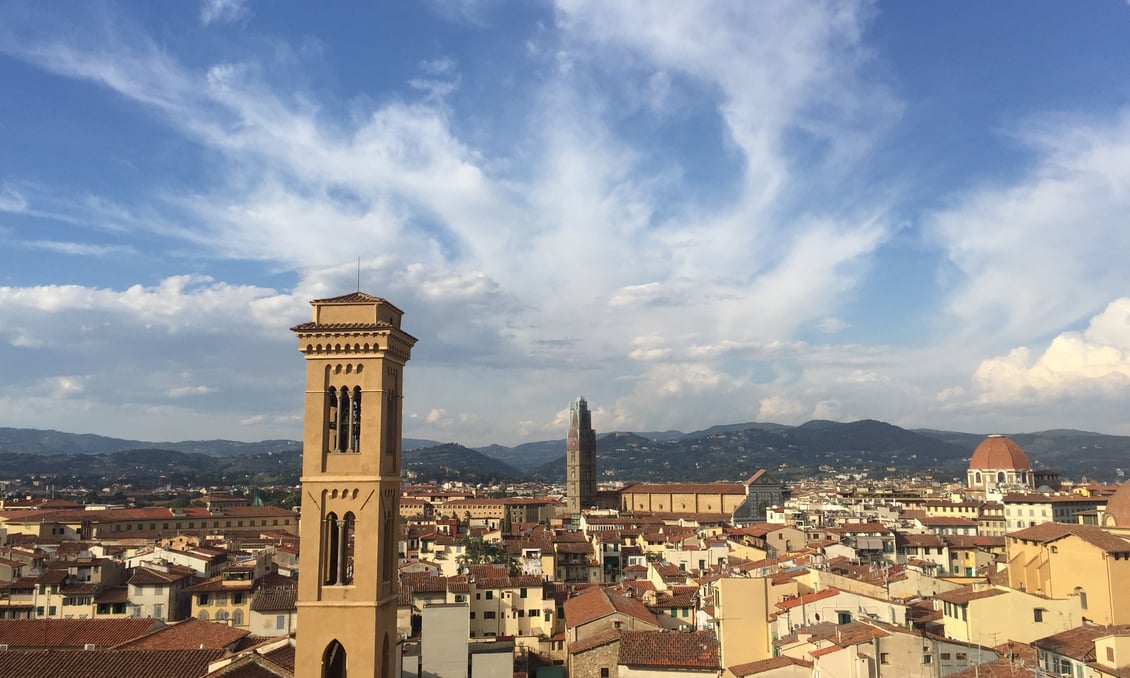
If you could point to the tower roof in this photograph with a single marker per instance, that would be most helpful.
(999, 452)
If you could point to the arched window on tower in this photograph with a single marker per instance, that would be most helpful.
(331, 419)
(347, 546)
(345, 426)
(1000, 477)
(333, 661)
(330, 550)
(978, 478)
(355, 421)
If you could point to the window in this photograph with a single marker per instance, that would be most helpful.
(927, 658)
(1038, 614)
(203, 616)
(960, 656)
(237, 618)
(522, 594)
(280, 622)
(1110, 654)
(489, 614)
(202, 599)
(158, 611)
(884, 657)
(237, 598)
(945, 656)
(490, 595)
(548, 615)
(604, 672)
(472, 614)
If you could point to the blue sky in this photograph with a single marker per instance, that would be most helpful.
(690, 213)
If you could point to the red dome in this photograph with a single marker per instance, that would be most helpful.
(1118, 506)
(998, 452)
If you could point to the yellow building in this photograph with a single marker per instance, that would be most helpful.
(991, 616)
(715, 498)
(741, 620)
(226, 598)
(1084, 562)
(355, 354)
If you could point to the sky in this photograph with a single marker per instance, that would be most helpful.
(690, 213)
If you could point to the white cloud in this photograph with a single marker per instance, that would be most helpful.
(11, 200)
(182, 391)
(779, 409)
(1036, 255)
(223, 11)
(1092, 363)
(80, 249)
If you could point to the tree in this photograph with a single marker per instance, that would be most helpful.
(476, 551)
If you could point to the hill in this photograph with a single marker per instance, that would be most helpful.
(450, 461)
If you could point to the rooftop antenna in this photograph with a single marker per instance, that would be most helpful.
(358, 274)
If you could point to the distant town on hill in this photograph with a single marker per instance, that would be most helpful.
(727, 452)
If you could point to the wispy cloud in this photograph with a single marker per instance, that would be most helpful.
(79, 249)
(223, 11)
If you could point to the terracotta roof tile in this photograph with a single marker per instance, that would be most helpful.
(189, 634)
(670, 649)
(594, 603)
(102, 663)
(274, 600)
(754, 668)
(1079, 642)
(64, 633)
(599, 639)
(1096, 536)
(961, 596)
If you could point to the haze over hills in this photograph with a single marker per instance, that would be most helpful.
(730, 452)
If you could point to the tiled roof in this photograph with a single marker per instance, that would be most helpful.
(113, 594)
(217, 583)
(1079, 642)
(670, 649)
(685, 488)
(596, 640)
(1096, 536)
(357, 297)
(961, 596)
(594, 603)
(189, 634)
(151, 577)
(64, 633)
(102, 663)
(274, 600)
(808, 599)
(754, 668)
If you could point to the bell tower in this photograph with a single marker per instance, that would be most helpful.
(350, 525)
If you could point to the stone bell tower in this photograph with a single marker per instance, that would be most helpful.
(347, 586)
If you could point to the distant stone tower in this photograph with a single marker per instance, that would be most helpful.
(350, 526)
(580, 482)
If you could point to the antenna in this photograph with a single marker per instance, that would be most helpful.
(358, 274)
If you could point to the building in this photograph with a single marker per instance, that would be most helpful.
(355, 354)
(580, 458)
(1081, 562)
(997, 465)
(738, 503)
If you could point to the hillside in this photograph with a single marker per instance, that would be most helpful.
(726, 452)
